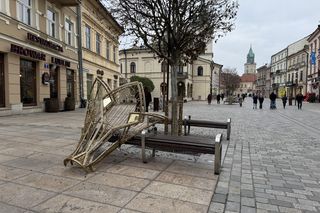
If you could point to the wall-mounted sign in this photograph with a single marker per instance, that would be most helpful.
(27, 52)
(45, 78)
(46, 66)
(43, 42)
(59, 61)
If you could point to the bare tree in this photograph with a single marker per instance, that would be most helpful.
(230, 80)
(175, 30)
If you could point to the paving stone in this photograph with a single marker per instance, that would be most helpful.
(183, 193)
(246, 209)
(156, 204)
(233, 206)
(216, 207)
(281, 203)
(219, 198)
(246, 201)
(67, 204)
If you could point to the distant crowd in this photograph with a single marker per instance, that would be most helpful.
(259, 98)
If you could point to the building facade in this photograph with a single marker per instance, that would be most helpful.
(38, 54)
(313, 77)
(250, 65)
(100, 45)
(248, 79)
(297, 61)
(193, 80)
(261, 82)
(279, 72)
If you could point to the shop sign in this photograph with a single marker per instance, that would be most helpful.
(27, 52)
(60, 62)
(44, 42)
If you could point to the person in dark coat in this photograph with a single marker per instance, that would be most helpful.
(148, 97)
(273, 98)
(255, 101)
(218, 99)
(284, 100)
(209, 98)
(299, 98)
(222, 97)
(261, 99)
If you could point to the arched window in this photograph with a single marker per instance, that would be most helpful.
(132, 67)
(200, 71)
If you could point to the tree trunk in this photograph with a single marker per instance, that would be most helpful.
(174, 96)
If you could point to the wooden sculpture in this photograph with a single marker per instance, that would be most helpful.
(112, 117)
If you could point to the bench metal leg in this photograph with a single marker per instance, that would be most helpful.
(143, 146)
(217, 154)
(228, 128)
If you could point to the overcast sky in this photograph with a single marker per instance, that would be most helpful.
(269, 25)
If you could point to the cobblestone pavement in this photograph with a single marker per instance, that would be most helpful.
(273, 159)
(272, 164)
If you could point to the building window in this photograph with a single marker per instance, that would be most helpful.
(89, 84)
(69, 32)
(301, 73)
(28, 83)
(108, 51)
(164, 66)
(132, 67)
(88, 37)
(114, 53)
(51, 16)
(98, 42)
(121, 68)
(24, 11)
(200, 71)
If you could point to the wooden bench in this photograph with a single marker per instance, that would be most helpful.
(207, 124)
(180, 144)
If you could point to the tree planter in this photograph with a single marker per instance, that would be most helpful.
(51, 105)
(69, 104)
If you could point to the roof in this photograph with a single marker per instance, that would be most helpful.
(248, 78)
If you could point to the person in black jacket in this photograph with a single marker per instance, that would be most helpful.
(255, 101)
(273, 98)
(148, 97)
(261, 99)
(299, 99)
(284, 100)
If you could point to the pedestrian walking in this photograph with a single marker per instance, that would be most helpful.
(222, 96)
(261, 99)
(148, 98)
(240, 100)
(284, 100)
(218, 99)
(273, 98)
(209, 98)
(255, 101)
(299, 99)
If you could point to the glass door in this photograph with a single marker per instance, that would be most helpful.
(28, 86)
(70, 83)
(54, 74)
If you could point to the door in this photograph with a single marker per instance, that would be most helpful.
(2, 83)
(70, 83)
(54, 76)
(28, 85)
(89, 84)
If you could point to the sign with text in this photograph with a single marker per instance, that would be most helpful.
(43, 42)
(59, 61)
(27, 52)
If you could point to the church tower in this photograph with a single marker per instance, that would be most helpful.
(250, 66)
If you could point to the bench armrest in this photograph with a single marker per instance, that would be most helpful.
(217, 154)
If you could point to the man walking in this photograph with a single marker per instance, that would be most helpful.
(299, 99)
(255, 101)
(218, 99)
(261, 99)
(273, 98)
(284, 100)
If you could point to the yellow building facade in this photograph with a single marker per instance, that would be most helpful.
(193, 79)
(38, 54)
(100, 45)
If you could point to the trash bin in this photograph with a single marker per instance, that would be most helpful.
(290, 101)
(155, 104)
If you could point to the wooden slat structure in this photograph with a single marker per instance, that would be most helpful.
(112, 117)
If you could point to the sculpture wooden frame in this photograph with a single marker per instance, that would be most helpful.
(112, 118)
